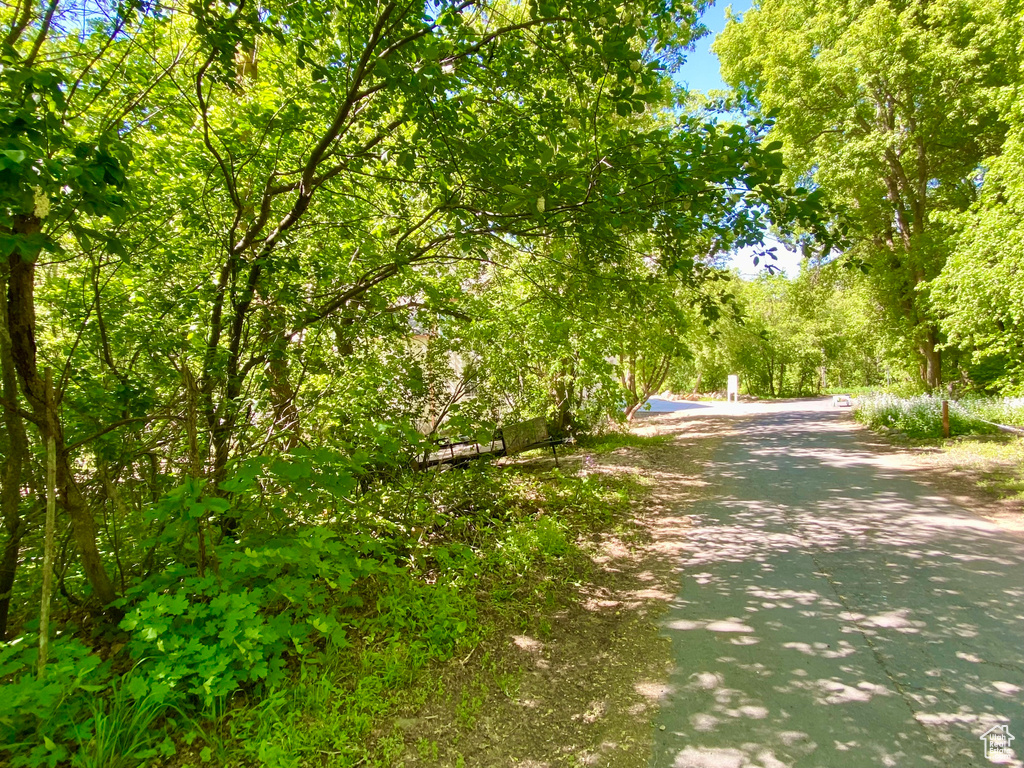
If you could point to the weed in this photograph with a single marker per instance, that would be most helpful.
(469, 707)
(427, 749)
(508, 683)
(921, 416)
(122, 730)
(391, 748)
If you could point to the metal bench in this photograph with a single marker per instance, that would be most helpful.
(524, 435)
(507, 441)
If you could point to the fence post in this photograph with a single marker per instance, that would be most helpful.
(945, 418)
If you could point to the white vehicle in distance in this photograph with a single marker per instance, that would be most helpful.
(840, 401)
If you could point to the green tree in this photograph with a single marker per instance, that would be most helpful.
(980, 294)
(236, 211)
(887, 107)
(63, 100)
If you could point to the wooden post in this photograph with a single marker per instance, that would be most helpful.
(51, 514)
(945, 418)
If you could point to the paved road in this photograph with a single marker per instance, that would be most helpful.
(834, 612)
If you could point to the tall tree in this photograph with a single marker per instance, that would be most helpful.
(886, 105)
(62, 163)
(980, 292)
(217, 220)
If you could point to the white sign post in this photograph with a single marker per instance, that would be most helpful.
(734, 387)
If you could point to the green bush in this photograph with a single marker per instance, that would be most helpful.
(1008, 410)
(233, 626)
(292, 640)
(921, 416)
(40, 720)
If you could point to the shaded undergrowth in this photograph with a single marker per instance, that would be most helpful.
(289, 648)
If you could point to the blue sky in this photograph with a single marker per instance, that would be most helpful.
(701, 73)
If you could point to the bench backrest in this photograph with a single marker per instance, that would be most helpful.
(520, 436)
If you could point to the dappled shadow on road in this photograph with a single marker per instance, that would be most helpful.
(834, 612)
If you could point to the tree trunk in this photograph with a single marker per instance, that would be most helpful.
(565, 396)
(21, 317)
(648, 383)
(286, 424)
(51, 524)
(14, 445)
(931, 368)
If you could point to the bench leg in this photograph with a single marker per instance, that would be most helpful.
(554, 453)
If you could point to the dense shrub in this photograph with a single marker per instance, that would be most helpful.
(921, 416)
(41, 719)
(372, 586)
(1008, 410)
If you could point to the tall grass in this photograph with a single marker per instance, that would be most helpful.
(1007, 410)
(921, 416)
(123, 732)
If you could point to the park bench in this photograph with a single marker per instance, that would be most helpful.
(507, 441)
(459, 450)
(524, 435)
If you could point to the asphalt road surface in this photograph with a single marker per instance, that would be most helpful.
(834, 612)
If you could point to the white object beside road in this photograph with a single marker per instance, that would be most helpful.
(734, 388)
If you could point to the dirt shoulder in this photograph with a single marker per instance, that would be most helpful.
(579, 683)
(984, 474)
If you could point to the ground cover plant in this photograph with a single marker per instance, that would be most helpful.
(309, 634)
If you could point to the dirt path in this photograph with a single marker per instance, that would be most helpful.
(833, 611)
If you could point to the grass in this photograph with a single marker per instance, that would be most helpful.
(123, 732)
(613, 441)
(993, 459)
(854, 391)
(997, 464)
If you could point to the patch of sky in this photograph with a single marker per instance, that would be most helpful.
(701, 71)
(785, 261)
